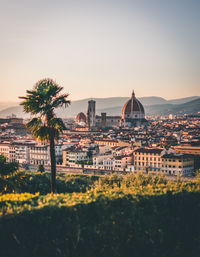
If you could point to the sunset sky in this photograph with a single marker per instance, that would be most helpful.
(101, 48)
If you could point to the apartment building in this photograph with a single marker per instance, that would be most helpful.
(187, 149)
(16, 151)
(107, 142)
(111, 142)
(40, 154)
(74, 156)
(22, 151)
(193, 150)
(177, 164)
(148, 159)
(5, 149)
(108, 164)
(122, 162)
(104, 149)
(117, 163)
(98, 159)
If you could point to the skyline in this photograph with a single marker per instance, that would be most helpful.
(97, 50)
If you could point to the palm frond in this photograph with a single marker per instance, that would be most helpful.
(34, 124)
(43, 133)
(53, 90)
(39, 130)
(60, 101)
(57, 124)
(33, 102)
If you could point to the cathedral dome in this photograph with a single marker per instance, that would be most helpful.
(80, 117)
(137, 107)
(133, 109)
(133, 105)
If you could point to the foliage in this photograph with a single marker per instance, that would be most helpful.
(33, 182)
(131, 215)
(41, 168)
(7, 168)
(100, 224)
(90, 154)
(197, 174)
(86, 162)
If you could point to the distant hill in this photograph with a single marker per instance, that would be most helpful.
(192, 107)
(4, 105)
(159, 109)
(183, 100)
(113, 111)
(113, 106)
(17, 110)
(152, 100)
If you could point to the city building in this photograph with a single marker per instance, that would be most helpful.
(177, 164)
(98, 160)
(148, 159)
(5, 150)
(39, 155)
(74, 156)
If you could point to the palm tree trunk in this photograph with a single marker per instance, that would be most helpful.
(53, 164)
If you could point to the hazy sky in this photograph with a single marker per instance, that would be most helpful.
(100, 48)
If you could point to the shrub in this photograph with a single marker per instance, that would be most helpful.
(7, 168)
(32, 182)
(41, 168)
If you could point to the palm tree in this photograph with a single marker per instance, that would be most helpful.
(45, 126)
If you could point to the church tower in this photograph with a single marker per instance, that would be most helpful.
(91, 114)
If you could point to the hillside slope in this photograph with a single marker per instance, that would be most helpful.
(114, 105)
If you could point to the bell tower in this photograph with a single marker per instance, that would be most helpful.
(91, 114)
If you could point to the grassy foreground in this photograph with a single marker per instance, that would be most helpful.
(110, 216)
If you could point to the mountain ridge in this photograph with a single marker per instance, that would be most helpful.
(113, 106)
